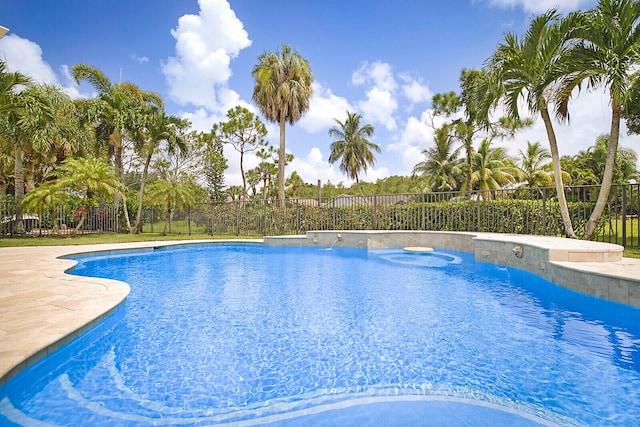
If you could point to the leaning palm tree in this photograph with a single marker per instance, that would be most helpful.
(528, 68)
(442, 166)
(607, 55)
(282, 92)
(159, 127)
(352, 147)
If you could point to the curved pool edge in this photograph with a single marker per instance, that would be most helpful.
(42, 307)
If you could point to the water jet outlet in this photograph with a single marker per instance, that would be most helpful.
(518, 251)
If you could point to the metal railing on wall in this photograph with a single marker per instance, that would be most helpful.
(520, 211)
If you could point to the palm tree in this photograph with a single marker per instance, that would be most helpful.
(28, 125)
(607, 55)
(46, 196)
(528, 69)
(282, 92)
(535, 163)
(172, 192)
(352, 147)
(119, 107)
(159, 127)
(10, 105)
(9, 84)
(94, 179)
(442, 166)
(294, 183)
(491, 168)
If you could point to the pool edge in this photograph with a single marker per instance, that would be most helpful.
(590, 267)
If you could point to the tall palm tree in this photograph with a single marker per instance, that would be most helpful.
(159, 127)
(29, 125)
(607, 55)
(10, 104)
(352, 147)
(282, 92)
(491, 168)
(442, 166)
(528, 68)
(119, 108)
(535, 163)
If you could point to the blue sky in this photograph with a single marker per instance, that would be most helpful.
(381, 58)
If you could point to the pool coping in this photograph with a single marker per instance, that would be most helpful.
(42, 307)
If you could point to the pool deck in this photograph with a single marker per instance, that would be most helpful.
(42, 307)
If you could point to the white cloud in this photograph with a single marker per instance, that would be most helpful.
(313, 167)
(415, 137)
(379, 74)
(539, 6)
(415, 90)
(205, 45)
(323, 108)
(139, 59)
(381, 102)
(25, 56)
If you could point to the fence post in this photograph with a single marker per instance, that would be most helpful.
(423, 207)
(237, 219)
(478, 210)
(624, 214)
(189, 220)
(374, 219)
(264, 217)
(297, 217)
(544, 211)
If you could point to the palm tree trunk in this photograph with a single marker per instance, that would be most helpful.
(83, 216)
(607, 179)
(282, 160)
(557, 173)
(468, 146)
(117, 160)
(18, 174)
(137, 226)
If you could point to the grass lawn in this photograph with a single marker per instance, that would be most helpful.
(92, 239)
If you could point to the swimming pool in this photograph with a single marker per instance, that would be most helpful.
(249, 334)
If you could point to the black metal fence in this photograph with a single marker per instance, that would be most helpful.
(520, 211)
(60, 221)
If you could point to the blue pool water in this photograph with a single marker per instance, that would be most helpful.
(243, 334)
